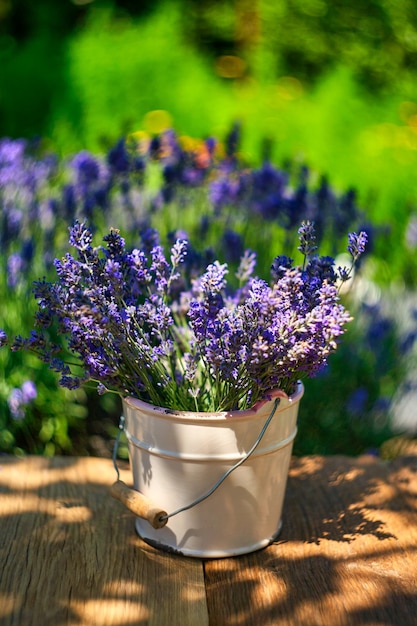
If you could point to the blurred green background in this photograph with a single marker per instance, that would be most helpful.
(330, 84)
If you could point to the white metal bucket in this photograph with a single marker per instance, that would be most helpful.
(177, 456)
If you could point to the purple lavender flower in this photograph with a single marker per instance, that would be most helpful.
(267, 192)
(101, 389)
(150, 239)
(12, 223)
(87, 168)
(307, 238)
(356, 403)
(115, 244)
(224, 191)
(70, 382)
(29, 391)
(322, 268)
(3, 338)
(232, 245)
(23, 180)
(280, 265)
(233, 140)
(357, 244)
(19, 398)
(69, 201)
(118, 158)
(411, 232)
(91, 180)
(137, 325)
(16, 404)
(80, 237)
(246, 266)
(179, 252)
(15, 267)
(214, 279)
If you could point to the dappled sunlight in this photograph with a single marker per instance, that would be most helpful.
(110, 612)
(297, 583)
(305, 466)
(7, 603)
(346, 552)
(68, 512)
(71, 554)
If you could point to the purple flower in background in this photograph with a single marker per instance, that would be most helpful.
(69, 201)
(16, 404)
(24, 180)
(3, 338)
(12, 223)
(19, 398)
(15, 266)
(118, 158)
(87, 169)
(90, 185)
(411, 232)
(122, 160)
(149, 238)
(356, 403)
(246, 266)
(225, 191)
(29, 391)
(233, 246)
(233, 140)
(267, 195)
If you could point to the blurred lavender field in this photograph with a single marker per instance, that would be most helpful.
(224, 206)
(266, 133)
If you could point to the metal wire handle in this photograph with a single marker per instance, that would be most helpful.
(116, 444)
(221, 479)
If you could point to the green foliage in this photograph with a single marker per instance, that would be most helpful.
(307, 38)
(116, 86)
(131, 69)
(326, 83)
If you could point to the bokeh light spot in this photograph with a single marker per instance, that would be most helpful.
(228, 66)
(157, 121)
(289, 88)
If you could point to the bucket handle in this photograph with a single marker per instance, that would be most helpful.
(143, 507)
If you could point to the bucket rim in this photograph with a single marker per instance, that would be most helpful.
(199, 416)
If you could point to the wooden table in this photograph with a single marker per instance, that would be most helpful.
(347, 554)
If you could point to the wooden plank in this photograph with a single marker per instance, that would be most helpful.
(347, 554)
(69, 553)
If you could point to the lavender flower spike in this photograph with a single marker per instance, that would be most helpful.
(246, 266)
(213, 281)
(3, 338)
(178, 252)
(80, 237)
(356, 245)
(307, 238)
(139, 323)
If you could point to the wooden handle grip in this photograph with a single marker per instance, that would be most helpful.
(138, 504)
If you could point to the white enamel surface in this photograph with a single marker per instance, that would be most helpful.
(176, 457)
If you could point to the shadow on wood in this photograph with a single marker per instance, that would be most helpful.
(347, 554)
(70, 554)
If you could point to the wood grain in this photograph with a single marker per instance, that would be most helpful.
(347, 554)
(69, 553)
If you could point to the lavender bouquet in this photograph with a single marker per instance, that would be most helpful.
(138, 323)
